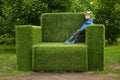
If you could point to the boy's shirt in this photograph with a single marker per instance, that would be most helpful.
(87, 22)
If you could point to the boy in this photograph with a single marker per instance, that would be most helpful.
(80, 31)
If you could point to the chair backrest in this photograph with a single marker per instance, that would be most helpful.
(57, 27)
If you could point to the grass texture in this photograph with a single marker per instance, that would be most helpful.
(57, 27)
(26, 37)
(8, 62)
(60, 57)
(95, 38)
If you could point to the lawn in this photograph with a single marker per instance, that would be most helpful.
(112, 58)
(8, 61)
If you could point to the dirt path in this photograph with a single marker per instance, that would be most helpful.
(65, 76)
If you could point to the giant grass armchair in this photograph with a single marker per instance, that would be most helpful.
(42, 48)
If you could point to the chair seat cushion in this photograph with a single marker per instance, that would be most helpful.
(60, 57)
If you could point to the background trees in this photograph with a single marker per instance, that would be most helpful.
(21, 12)
(108, 14)
(17, 12)
(58, 5)
(81, 5)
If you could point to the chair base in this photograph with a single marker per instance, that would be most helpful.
(60, 57)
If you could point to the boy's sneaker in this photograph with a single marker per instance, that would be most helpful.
(72, 42)
(67, 42)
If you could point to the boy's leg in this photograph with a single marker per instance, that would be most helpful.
(80, 32)
(76, 35)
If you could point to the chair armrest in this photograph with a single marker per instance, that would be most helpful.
(26, 37)
(36, 34)
(95, 38)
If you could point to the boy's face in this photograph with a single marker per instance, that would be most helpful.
(87, 16)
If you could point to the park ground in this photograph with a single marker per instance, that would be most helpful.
(111, 67)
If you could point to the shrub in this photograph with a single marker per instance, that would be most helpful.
(6, 32)
(15, 12)
(108, 14)
(7, 39)
(58, 5)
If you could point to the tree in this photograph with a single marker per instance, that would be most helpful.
(0, 8)
(1, 12)
(108, 14)
(83, 5)
(58, 5)
(22, 12)
(29, 11)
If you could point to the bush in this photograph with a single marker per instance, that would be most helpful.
(108, 14)
(7, 39)
(58, 5)
(27, 12)
(6, 32)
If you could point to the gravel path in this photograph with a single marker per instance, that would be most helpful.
(64, 76)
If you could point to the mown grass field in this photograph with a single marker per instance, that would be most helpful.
(8, 61)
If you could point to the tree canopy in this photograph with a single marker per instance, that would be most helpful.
(22, 12)
(108, 14)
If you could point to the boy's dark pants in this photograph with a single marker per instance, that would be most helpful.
(75, 36)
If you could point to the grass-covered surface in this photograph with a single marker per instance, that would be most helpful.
(57, 27)
(112, 58)
(60, 57)
(95, 36)
(8, 61)
(26, 36)
(61, 44)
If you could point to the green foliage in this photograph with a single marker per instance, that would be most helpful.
(108, 14)
(57, 27)
(26, 36)
(58, 5)
(6, 32)
(28, 12)
(7, 39)
(95, 38)
(31, 12)
(23, 12)
(83, 5)
(0, 8)
(18, 12)
(60, 57)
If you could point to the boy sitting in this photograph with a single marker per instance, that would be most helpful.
(80, 31)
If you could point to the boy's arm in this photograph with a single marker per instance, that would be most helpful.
(83, 26)
(90, 21)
